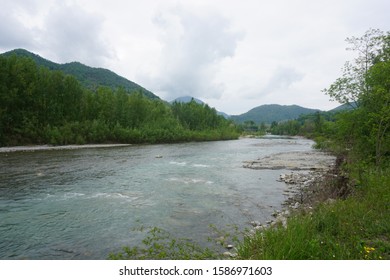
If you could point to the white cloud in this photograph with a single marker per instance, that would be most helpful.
(14, 33)
(193, 46)
(73, 34)
(281, 80)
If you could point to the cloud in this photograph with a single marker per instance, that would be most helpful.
(234, 55)
(59, 31)
(72, 34)
(193, 46)
(13, 32)
(282, 78)
(280, 82)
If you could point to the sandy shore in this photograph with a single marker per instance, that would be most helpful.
(48, 147)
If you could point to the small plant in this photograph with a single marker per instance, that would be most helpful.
(160, 245)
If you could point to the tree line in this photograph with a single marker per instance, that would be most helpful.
(354, 224)
(363, 132)
(41, 106)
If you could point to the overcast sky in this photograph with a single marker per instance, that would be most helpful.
(234, 55)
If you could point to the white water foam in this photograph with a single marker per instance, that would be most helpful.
(178, 163)
(189, 180)
(200, 165)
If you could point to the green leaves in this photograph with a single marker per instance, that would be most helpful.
(349, 88)
(366, 81)
(42, 106)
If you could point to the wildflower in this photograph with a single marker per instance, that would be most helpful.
(368, 249)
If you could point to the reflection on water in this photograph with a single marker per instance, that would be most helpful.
(84, 204)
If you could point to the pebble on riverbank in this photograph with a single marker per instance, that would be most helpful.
(303, 192)
(313, 167)
(309, 160)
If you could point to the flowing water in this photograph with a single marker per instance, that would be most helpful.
(86, 203)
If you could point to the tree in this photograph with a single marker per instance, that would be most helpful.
(349, 88)
(38, 105)
(377, 104)
(367, 82)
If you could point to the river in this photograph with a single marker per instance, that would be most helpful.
(86, 203)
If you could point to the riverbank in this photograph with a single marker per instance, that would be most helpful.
(62, 147)
(308, 171)
(331, 215)
(309, 160)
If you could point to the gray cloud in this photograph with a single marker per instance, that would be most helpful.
(193, 47)
(60, 32)
(282, 78)
(13, 33)
(72, 34)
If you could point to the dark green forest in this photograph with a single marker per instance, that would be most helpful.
(89, 77)
(42, 106)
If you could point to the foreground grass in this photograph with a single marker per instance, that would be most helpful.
(355, 228)
(161, 245)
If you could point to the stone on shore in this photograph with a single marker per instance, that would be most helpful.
(309, 160)
(307, 168)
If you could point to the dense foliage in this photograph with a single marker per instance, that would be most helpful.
(89, 77)
(39, 106)
(357, 225)
(309, 125)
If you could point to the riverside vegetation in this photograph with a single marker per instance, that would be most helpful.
(42, 106)
(347, 213)
(351, 219)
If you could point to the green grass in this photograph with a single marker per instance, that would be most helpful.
(355, 228)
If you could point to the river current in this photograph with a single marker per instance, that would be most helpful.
(86, 203)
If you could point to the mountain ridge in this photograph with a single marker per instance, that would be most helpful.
(90, 77)
(187, 99)
(269, 113)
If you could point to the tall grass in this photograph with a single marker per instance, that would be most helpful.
(355, 228)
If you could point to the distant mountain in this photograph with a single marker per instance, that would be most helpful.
(273, 112)
(88, 76)
(186, 99)
(344, 107)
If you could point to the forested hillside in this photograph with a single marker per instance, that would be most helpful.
(38, 106)
(89, 77)
(273, 112)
